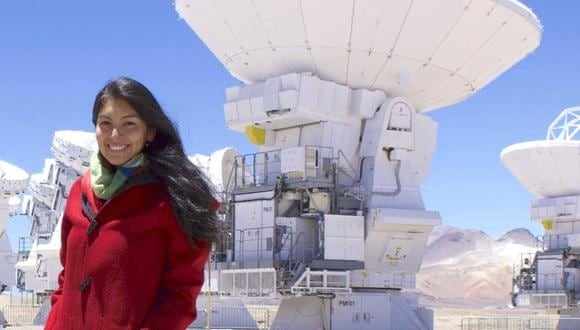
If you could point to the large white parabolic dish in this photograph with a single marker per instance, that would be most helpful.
(547, 168)
(74, 148)
(218, 167)
(432, 52)
(12, 180)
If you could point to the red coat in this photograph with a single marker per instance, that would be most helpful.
(135, 270)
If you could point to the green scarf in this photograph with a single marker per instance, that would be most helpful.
(105, 183)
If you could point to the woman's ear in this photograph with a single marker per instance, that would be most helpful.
(151, 134)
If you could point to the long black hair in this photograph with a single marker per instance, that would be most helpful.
(191, 195)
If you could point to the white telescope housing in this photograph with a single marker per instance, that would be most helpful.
(550, 169)
(12, 183)
(333, 95)
(39, 264)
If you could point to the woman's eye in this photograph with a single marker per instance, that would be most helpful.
(104, 123)
(130, 123)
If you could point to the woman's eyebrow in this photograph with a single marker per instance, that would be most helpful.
(124, 117)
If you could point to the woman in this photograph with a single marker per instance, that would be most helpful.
(137, 227)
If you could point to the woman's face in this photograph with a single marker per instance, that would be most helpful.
(121, 132)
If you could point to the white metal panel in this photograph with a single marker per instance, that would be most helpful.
(327, 30)
(204, 17)
(376, 312)
(365, 103)
(310, 135)
(333, 226)
(331, 62)
(480, 21)
(244, 109)
(574, 240)
(288, 99)
(564, 227)
(257, 106)
(248, 215)
(248, 91)
(296, 59)
(254, 223)
(352, 226)
(243, 22)
(519, 51)
(379, 20)
(271, 103)
(362, 67)
(272, 86)
(325, 96)
(354, 249)
(344, 237)
(436, 94)
(346, 312)
(246, 67)
(531, 168)
(341, 102)
(277, 16)
(425, 140)
(290, 81)
(389, 77)
(436, 16)
(293, 159)
(334, 248)
(508, 37)
(346, 136)
(567, 165)
(288, 137)
(308, 98)
(232, 93)
(270, 66)
(425, 78)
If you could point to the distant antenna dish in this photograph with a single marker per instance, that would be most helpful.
(219, 168)
(434, 53)
(74, 149)
(12, 180)
(549, 168)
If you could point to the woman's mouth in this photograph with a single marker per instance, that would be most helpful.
(118, 147)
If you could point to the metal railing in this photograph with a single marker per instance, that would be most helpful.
(24, 246)
(234, 318)
(254, 247)
(214, 318)
(278, 245)
(556, 241)
(247, 282)
(519, 323)
(263, 168)
(548, 300)
(322, 282)
(257, 169)
(347, 175)
(23, 314)
(293, 248)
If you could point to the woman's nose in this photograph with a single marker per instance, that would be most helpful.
(115, 132)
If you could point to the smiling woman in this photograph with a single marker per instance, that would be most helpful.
(121, 132)
(137, 228)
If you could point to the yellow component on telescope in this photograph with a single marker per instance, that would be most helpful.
(255, 135)
(548, 224)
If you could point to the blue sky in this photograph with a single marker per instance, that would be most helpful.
(54, 57)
